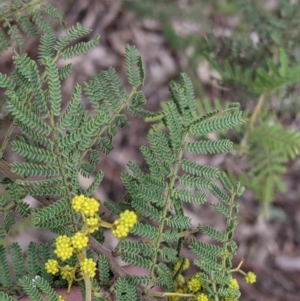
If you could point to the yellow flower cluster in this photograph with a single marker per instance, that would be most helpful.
(93, 224)
(65, 246)
(85, 205)
(250, 278)
(194, 284)
(67, 272)
(88, 266)
(88, 208)
(51, 266)
(79, 241)
(202, 297)
(233, 283)
(122, 226)
(60, 298)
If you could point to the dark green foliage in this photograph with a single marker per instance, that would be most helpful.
(25, 270)
(136, 260)
(103, 270)
(5, 278)
(209, 147)
(17, 260)
(53, 216)
(164, 277)
(30, 289)
(5, 297)
(73, 33)
(134, 67)
(125, 291)
(145, 230)
(80, 48)
(200, 170)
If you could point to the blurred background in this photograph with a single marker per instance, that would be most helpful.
(220, 44)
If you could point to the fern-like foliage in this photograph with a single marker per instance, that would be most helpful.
(55, 146)
(23, 18)
(26, 273)
(172, 180)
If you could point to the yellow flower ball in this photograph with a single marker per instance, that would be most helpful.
(67, 273)
(88, 266)
(63, 248)
(92, 224)
(79, 241)
(120, 231)
(128, 218)
(51, 266)
(250, 278)
(194, 284)
(77, 202)
(202, 297)
(90, 207)
(233, 283)
(122, 226)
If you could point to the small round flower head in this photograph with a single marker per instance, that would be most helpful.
(51, 266)
(63, 248)
(60, 298)
(88, 266)
(120, 231)
(128, 218)
(78, 202)
(194, 284)
(79, 241)
(92, 224)
(233, 283)
(122, 226)
(67, 273)
(250, 278)
(202, 297)
(185, 265)
(90, 207)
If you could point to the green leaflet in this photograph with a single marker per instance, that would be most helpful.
(125, 291)
(103, 268)
(209, 147)
(217, 123)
